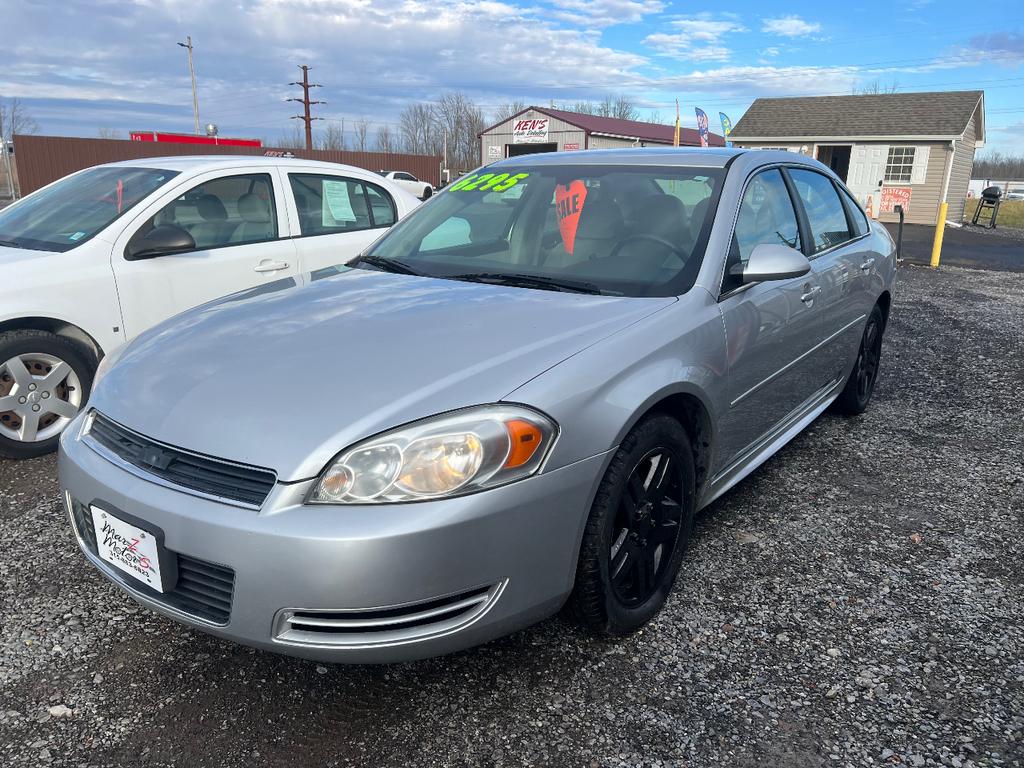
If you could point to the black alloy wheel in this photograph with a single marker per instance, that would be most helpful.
(860, 385)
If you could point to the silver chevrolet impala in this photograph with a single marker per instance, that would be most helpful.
(513, 402)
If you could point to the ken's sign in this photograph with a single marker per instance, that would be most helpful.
(530, 131)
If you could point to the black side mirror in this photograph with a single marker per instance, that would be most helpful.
(160, 241)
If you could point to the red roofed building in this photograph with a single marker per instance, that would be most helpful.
(542, 129)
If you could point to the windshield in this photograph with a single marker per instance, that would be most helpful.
(74, 209)
(625, 231)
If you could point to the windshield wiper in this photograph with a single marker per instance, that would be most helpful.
(11, 244)
(386, 265)
(528, 281)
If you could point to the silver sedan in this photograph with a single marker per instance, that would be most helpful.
(514, 402)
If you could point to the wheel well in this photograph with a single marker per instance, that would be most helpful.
(689, 411)
(58, 328)
(884, 302)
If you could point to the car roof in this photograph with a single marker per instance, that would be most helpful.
(217, 162)
(693, 157)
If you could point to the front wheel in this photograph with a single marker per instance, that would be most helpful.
(44, 380)
(638, 529)
(860, 385)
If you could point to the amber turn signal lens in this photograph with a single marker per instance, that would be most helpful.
(525, 439)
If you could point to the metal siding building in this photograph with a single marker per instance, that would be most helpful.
(569, 131)
(863, 138)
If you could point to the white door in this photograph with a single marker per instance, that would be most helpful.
(239, 224)
(867, 169)
(336, 216)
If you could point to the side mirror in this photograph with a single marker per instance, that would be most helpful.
(160, 241)
(774, 262)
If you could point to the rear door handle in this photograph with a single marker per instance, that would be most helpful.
(270, 266)
(810, 294)
(867, 265)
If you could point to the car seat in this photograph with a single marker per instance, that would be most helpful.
(214, 227)
(257, 221)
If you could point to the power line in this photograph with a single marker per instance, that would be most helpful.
(306, 103)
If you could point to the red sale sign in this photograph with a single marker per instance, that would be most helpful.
(568, 206)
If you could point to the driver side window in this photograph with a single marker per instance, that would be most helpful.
(232, 210)
(766, 216)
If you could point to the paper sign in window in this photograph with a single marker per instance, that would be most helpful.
(337, 204)
(568, 207)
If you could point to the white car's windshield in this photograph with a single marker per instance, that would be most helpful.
(74, 209)
(633, 231)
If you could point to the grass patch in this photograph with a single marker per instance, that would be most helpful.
(1011, 213)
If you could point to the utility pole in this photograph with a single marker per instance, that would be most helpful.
(192, 71)
(306, 103)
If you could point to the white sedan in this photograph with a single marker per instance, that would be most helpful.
(409, 183)
(93, 259)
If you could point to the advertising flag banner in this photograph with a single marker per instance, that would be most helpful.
(702, 125)
(675, 136)
(726, 127)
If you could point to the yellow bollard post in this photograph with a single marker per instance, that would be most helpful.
(940, 229)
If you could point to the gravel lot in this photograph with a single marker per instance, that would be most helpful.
(855, 603)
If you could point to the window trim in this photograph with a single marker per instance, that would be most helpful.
(273, 210)
(363, 183)
(846, 215)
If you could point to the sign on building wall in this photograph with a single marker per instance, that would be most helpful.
(570, 146)
(530, 131)
(493, 152)
(893, 196)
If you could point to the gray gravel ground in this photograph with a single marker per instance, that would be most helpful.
(857, 602)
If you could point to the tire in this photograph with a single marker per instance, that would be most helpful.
(616, 606)
(39, 353)
(427, 192)
(860, 385)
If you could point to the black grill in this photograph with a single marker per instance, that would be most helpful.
(215, 477)
(203, 589)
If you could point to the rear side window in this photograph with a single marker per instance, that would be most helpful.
(766, 216)
(825, 212)
(333, 204)
(858, 220)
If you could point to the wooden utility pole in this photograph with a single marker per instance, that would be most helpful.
(306, 103)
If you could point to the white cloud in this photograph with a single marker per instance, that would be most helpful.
(604, 13)
(789, 26)
(698, 39)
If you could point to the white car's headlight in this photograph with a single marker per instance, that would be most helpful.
(448, 455)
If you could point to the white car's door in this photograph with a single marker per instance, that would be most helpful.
(337, 215)
(239, 223)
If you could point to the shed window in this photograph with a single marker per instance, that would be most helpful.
(899, 166)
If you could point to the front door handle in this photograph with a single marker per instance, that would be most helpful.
(270, 266)
(810, 294)
(868, 264)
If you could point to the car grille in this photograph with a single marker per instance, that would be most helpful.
(203, 474)
(383, 626)
(203, 590)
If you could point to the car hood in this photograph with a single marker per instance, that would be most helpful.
(288, 375)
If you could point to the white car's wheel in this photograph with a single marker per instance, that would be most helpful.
(427, 192)
(44, 381)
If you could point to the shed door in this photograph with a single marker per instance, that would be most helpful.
(867, 169)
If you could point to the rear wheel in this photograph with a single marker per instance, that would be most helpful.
(427, 192)
(638, 529)
(860, 385)
(44, 380)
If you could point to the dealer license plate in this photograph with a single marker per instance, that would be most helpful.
(127, 548)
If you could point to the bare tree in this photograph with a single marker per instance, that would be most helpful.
(108, 133)
(386, 140)
(876, 86)
(620, 106)
(333, 137)
(294, 138)
(461, 121)
(360, 131)
(415, 124)
(507, 110)
(15, 118)
(654, 116)
(996, 165)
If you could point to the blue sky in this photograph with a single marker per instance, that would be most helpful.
(113, 64)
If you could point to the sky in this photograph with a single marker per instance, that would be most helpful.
(82, 66)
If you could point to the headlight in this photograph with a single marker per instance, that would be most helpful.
(448, 455)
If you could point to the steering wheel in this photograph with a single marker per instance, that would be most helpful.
(653, 238)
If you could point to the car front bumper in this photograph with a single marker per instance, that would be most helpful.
(359, 584)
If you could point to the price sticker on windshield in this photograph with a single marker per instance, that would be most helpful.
(487, 182)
